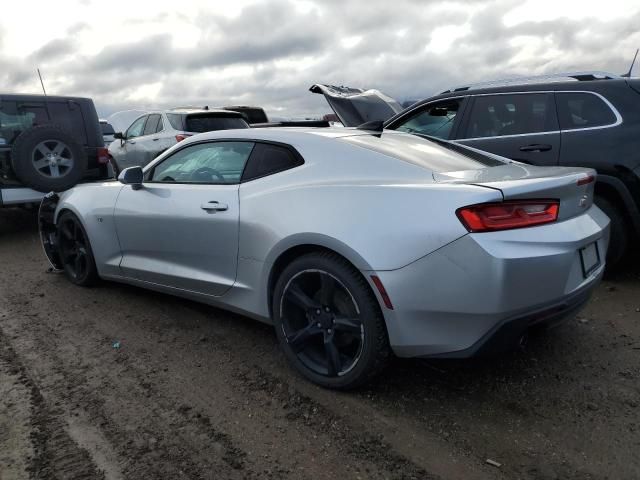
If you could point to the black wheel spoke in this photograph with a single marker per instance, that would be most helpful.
(66, 232)
(301, 299)
(334, 365)
(68, 256)
(77, 264)
(299, 340)
(327, 289)
(349, 325)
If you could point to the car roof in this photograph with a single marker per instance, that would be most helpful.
(524, 87)
(187, 110)
(31, 96)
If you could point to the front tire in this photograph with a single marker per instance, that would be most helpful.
(75, 251)
(328, 322)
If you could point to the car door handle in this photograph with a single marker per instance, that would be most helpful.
(536, 147)
(156, 139)
(131, 142)
(214, 206)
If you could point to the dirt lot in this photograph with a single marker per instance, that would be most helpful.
(195, 392)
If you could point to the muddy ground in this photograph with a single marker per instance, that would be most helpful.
(195, 392)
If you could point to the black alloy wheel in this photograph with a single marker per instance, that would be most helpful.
(75, 251)
(321, 322)
(329, 322)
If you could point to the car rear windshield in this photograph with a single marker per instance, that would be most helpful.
(107, 129)
(207, 123)
(426, 152)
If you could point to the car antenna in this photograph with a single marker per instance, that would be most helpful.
(628, 74)
(41, 82)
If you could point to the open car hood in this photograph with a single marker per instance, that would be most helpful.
(355, 106)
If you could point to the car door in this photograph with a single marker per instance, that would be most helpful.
(438, 119)
(180, 229)
(520, 126)
(126, 152)
(148, 144)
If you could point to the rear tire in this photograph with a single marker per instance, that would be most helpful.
(75, 251)
(48, 158)
(619, 239)
(338, 339)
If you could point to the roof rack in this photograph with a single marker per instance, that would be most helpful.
(555, 77)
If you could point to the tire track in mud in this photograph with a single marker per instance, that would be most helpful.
(55, 454)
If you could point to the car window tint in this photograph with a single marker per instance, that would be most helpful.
(583, 110)
(209, 122)
(152, 124)
(498, 115)
(175, 120)
(14, 121)
(211, 163)
(107, 129)
(160, 126)
(69, 116)
(267, 159)
(136, 128)
(435, 120)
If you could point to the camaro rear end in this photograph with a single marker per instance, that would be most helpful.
(352, 243)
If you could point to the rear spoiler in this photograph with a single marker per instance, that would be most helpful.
(293, 123)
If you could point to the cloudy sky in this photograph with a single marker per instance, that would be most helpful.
(126, 55)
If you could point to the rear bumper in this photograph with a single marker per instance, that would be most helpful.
(19, 196)
(484, 290)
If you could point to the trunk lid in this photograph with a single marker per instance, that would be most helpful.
(355, 106)
(572, 186)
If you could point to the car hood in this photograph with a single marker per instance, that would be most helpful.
(355, 106)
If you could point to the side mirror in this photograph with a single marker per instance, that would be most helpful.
(132, 176)
(118, 135)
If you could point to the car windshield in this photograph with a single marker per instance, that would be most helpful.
(425, 151)
(208, 123)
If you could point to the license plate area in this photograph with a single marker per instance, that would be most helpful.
(589, 258)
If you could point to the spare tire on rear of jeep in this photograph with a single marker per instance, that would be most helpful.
(47, 158)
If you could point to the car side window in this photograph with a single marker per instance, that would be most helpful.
(152, 124)
(206, 163)
(136, 128)
(175, 120)
(511, 114)
(15, 119)
(160, 126)
(583, 110)
(267, 159)
(435, 119)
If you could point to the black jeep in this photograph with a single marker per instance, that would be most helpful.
(49, 143)
(587, 119)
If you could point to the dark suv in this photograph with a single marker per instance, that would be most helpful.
(49, 143)
(584, 119)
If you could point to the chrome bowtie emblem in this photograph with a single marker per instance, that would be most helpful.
(584, 201)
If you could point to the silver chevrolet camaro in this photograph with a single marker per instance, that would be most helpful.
(353, 243)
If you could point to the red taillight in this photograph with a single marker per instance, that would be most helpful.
(103, 155)
(181, 137)
(488, 217)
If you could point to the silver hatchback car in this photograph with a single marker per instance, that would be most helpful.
(352, 243)
(154, 132)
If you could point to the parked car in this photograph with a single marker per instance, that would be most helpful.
(352, 243)
(107, 132)
(587, 119)
(154, 132)
(47, 143)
